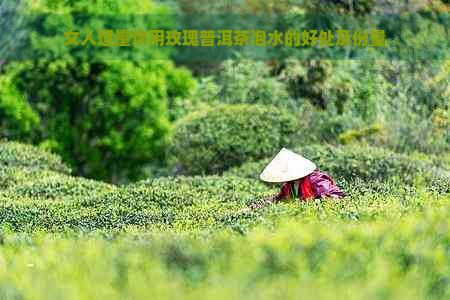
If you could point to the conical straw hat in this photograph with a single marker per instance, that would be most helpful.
(287, 166)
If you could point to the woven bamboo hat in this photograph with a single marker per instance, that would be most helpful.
(287, 166)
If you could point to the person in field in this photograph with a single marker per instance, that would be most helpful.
(301, 179)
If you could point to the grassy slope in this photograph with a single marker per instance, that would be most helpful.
(65, 237)
(369, 245)
(398, 254)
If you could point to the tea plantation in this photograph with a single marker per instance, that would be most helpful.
(67, 237)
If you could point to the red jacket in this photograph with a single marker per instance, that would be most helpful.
(315, 185)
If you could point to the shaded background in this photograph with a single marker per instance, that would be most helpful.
(123, 120)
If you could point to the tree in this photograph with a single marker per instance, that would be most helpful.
(106, 118)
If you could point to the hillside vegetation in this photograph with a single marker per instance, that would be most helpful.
(130, 176)
(191, 236)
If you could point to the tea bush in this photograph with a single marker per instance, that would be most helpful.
(167, 202)
(41, 199)
(159, 236)
(188, 204)
(36, 184)
(214, 139)
(303, 257)
(12, 176)
(355, 161)
(13, 154)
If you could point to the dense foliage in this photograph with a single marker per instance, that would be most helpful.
(108, 126)
(34, 199)
(356, 161)
(106, 119)
(380, 128)
(223, 136)
(17, 183)
(13, 154)
(314, 259)
(106, 132)
(192, 231)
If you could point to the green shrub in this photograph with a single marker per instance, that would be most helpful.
(38, 198)
(106, 129)
(45, 185)
(180, 203)
(17, 119)
(13, 154)
(179, 191)
(410, 131)
(360, 134)
(25, 214)
(214, 139)
(324, 126)
(190, 204)
(12, 176)
(248, 81)
(307, 258)
(354, 161)
(105, 118)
